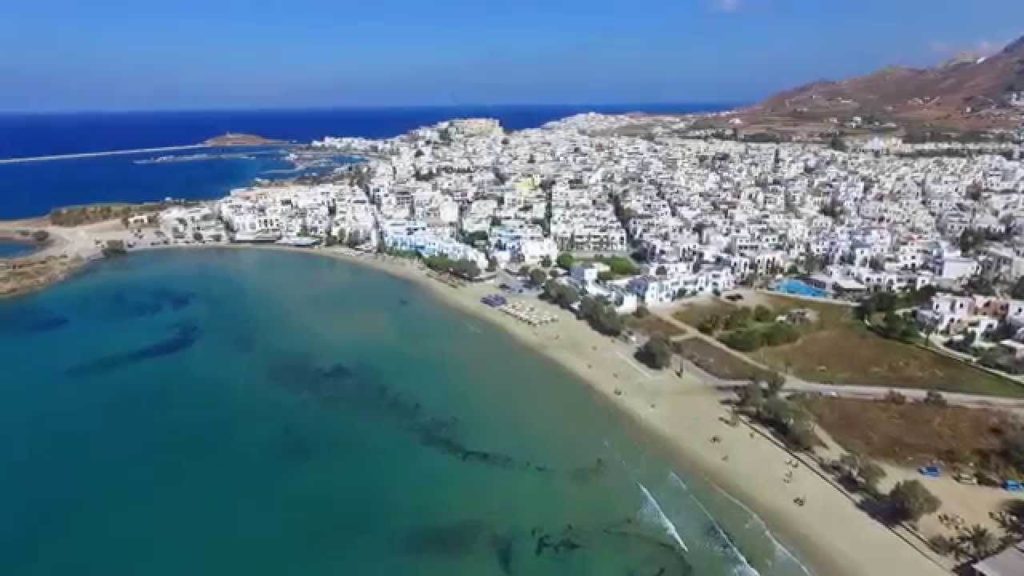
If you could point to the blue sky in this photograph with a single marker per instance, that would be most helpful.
(182, 54)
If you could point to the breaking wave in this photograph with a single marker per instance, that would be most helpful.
(781, 552)
(653, 511)
(743, 567)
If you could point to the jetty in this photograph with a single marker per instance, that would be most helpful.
(100, 154)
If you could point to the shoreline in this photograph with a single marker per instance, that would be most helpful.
(830, 536)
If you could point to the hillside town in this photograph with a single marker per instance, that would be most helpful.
(697, 215)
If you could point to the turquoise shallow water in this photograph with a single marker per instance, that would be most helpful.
(247, 412)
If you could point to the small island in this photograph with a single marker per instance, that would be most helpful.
(238, 140)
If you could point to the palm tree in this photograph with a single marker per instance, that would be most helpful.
(976, 542)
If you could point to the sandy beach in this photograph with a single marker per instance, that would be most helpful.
(829, 533)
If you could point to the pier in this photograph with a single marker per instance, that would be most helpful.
(100, 154)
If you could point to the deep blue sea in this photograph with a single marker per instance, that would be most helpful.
(33, 189)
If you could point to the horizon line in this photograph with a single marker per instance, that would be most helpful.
(724, 104)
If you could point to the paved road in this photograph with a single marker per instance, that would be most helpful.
(844, 390)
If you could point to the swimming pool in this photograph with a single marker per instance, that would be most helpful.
(799, 288)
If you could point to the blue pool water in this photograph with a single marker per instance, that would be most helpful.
(800, 288)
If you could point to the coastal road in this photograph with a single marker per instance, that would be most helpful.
(862, 392)
(856, 391)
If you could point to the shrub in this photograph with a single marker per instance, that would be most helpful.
(742, 340)
(655, 353)
(774, 380)
(762, 314)
(934, 398)
(40, 236)
(910, 501)
(601, 316)
(565, 260)
(710, 325)
(739, 318)
(778, 333)
(894, 397)
(560, 294)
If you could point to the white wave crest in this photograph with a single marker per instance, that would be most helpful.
(743, 567)
(780, 550)
(653, 510)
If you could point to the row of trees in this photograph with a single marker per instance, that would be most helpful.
(463, 268)
(599, 314)
(790, 420)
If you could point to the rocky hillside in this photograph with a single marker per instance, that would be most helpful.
(965, 94)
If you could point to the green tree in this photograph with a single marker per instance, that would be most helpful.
(601, 316)
(565, 260)
(976, 542)
(655, 353)
(537, 277)
(871, 474)
(545, 262)
(466, 268)
(774, 381)
(910, 501)
(751, 397)
(970, 240)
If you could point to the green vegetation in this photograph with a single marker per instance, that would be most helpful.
(618, 266)
(565, 261)
(601, 316)
(467, 269)
(560, 294)
(114, 248)
(656, 353)
(747, 330)
(537, 277)
(860, 472)
(789, 419)
(909, 501)
(80, 215)
(752, 338)
(838, 348)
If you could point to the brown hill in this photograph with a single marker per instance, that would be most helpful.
(966, 94)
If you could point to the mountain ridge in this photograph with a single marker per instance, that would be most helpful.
(978, 94)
